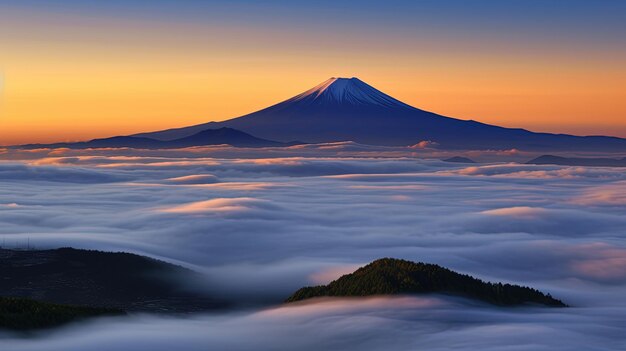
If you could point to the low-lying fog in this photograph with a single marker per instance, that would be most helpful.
(260, 228)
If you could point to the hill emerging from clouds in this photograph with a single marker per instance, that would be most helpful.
(392, 277)
(342, 109)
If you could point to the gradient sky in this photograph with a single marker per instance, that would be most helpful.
(72, 70)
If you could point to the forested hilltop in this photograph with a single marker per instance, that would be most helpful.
(390, 276)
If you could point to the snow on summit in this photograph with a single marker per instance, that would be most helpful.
(348, 109)
(347, 91)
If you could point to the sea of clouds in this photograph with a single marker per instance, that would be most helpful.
(262, 223)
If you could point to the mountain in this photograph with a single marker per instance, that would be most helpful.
(582, 161)
(217, 136)
(222, 135)
(111, 280)
(25, 314)
(389, 276)
(342, 109)
(117, 141)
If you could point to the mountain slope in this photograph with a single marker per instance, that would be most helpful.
(392, 276)
(342, 109)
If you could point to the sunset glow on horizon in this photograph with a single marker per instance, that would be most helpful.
(81, 70)
(262, 175)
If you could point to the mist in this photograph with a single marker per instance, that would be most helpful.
(260, 227)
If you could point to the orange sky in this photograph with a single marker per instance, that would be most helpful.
(68, 77)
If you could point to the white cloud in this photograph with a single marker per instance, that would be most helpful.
(261, 223)
(195, 179)
(219, 205)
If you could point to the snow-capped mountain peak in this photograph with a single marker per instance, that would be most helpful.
(341, 109)
(347, 91)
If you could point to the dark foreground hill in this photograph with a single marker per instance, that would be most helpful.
(578, 161)
(120, 281)
(26, 314)
(389, 276)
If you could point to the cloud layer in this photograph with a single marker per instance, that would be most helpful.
(260, 227)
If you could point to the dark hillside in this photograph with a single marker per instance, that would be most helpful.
(114, 280)
(24, 314)
(389, 276)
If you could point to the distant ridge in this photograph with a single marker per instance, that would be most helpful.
(390, 276)
(583, 161)
(459, 159)
(348, 109)
(217, 136)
